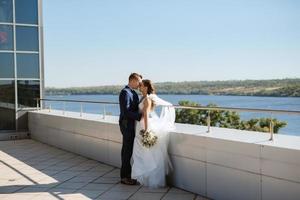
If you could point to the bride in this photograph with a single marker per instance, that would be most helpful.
(152, 164)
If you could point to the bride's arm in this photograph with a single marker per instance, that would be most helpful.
(146, 111)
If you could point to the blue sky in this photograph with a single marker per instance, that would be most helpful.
(100, 42)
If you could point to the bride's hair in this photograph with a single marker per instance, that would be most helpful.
(150, 90)
(150, 87)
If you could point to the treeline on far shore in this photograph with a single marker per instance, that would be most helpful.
(274, 87)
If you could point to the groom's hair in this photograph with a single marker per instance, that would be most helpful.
(135, 76)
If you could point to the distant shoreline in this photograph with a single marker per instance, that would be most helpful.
(258, 88)
(174, 94)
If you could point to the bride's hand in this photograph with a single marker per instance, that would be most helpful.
(142, 131)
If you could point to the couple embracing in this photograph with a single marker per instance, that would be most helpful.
(145, 134)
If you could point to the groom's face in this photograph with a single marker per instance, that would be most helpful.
(136, 83)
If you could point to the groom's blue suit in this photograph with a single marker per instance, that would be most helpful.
(129, 114)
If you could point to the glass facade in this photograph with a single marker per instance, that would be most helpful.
(20, 61)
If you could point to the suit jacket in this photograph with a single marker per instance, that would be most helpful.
(129, 108)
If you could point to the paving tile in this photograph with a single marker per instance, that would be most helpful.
(49, 172)
(3, 196)
(146, 196)
(41, 166)
(57, 191)
(112, 180)
(154, 190)
(57, 167)
(81, 167)
(47, 182)
(90, 193)
(74, 196)
(49, 185)
(18, 196)
(102, 168)
(178, 191)
(179, 196)
(22, 181)
(201, 198)
(115, 195)
(95, 174)
(32, 189)
(82, 179)
(9, 189)
(97, 187)
(114, 173)
(46, 196)
(125, 188)
(70, 185)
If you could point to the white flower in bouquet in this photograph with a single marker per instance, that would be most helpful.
(149, 138)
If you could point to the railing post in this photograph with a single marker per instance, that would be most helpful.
(37, 104)
(208, 121)
(104, 111)
(64, 108)
(80, 109)
(271, 129)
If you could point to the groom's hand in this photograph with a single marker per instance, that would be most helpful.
(140, 116)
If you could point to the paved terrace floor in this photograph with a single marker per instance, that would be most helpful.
(33, 170)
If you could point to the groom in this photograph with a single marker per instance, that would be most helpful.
(129, 114)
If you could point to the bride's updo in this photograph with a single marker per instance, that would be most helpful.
(150, 87)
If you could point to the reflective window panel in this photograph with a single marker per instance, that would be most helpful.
(28, 91)
(7, 105)
(6, 37)
(6, 11)
(27, 38)
(26, 11)
(28, 65)
(6, 65)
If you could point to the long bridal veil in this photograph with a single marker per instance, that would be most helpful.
(165, 121)
(151, 165)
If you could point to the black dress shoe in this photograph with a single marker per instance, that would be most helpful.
(136, 182)
(128, 181)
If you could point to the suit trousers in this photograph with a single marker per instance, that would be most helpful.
(127, 150)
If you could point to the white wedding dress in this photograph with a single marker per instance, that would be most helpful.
(151, 165)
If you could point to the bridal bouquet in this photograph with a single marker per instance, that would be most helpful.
(149, 139)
